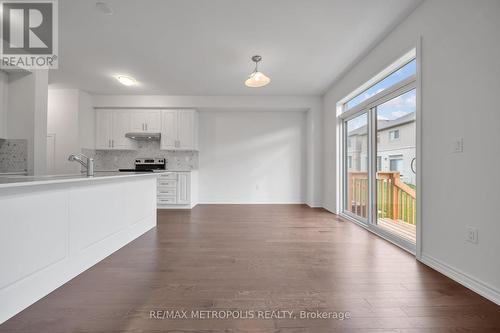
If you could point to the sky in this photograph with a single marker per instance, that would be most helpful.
(393, 109)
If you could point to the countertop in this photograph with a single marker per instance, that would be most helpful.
(18, 181)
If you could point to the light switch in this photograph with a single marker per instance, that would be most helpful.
(458, 145)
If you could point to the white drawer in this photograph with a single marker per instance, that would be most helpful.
(171, 191)
(168, 175)
(167, 183)
(167, 200)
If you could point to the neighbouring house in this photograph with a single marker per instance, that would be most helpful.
(395, 147)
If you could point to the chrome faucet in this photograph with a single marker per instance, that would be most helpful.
(88, 164)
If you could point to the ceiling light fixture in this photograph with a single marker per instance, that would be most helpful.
(104, 8)
(257, 79)
(126, 80)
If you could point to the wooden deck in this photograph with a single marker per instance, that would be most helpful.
(399, 228)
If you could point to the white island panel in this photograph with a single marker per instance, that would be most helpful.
(52, 231)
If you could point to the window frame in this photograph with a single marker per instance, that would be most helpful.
(369, 107)
(394, 137)
(396, 158)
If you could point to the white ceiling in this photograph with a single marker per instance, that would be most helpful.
(203, 47)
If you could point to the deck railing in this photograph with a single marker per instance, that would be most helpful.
(395, 199)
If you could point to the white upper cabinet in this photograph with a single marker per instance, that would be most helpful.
(111, 127)
(121, 126)
(187, 133)
(179, 130)
(145, 121)
(169, 129)
(153, 121)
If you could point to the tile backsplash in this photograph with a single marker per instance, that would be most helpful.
(111, 160)
(13, 155)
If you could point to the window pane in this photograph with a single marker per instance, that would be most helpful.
(404, 72)
(357, 166)
(396, 199)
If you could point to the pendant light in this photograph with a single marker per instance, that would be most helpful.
(257, 79)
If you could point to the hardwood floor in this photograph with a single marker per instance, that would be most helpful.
(255, 258)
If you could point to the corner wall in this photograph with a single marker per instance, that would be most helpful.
(460, 84)
(27, 115)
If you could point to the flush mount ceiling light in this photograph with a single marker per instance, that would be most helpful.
(104, 8)
(257, 79)
(126, 80)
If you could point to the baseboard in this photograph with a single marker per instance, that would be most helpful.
(331, 210)
(470, 282)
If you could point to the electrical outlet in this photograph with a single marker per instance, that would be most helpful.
(472, 235)
(458, 145)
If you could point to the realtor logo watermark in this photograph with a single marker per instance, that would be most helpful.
(29, 32)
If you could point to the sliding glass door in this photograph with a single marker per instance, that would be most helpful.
(356, 166)
(396, 166)
(379, 157)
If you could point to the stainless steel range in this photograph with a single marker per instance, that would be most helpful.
(147, 165)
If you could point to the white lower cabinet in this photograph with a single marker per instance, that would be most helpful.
(177, 189)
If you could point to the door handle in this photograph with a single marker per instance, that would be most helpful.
(413, 166)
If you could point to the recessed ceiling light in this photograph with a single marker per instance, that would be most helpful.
(126, 80)
(257, 79)
(104, 8)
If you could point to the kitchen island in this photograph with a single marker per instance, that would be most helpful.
(53, 228)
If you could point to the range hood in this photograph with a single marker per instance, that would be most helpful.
(143, 136)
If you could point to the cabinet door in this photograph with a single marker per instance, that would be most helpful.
(169, 129)
(104, 120)
(183, 188)
(138, 121)
(186, 130)
(121, 126)
(153, 121)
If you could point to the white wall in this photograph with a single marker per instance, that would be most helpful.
(460, 85)
(4, 83)
(311, 104)
(71, 118)
(86, 120)
(252, 157)
(62, 121)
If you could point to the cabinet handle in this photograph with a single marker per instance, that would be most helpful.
(146, 126)
(113, 143)
(109, 143)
